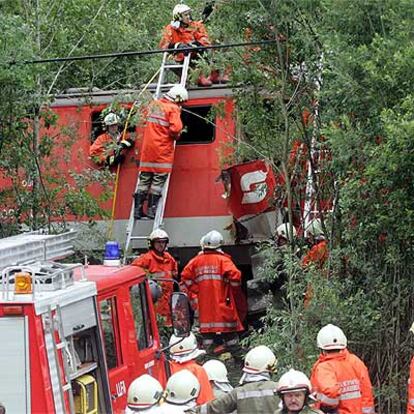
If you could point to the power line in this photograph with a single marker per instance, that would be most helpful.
(140, 53)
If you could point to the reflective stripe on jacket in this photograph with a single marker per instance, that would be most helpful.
(211, 275)
(341, 381)
(163, 266)
(194, 32)
(253, 397)
(410, 401)
(206, 392)
(163, 126)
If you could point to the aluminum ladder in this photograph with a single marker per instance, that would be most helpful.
(61, 351)
(159, 215)
(30, 247)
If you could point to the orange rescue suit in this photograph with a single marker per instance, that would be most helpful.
(317, 255)
(163, 126)
(341, 381)
(194, 32)
(206, 392)
(410, 401)
(163, 266)
(102, 148)
(211, 275)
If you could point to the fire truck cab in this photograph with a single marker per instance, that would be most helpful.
(73, 337)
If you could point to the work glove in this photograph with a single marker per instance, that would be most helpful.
(125, 144)
(114, 159)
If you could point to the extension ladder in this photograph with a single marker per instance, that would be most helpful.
(63, 358)
(161, 87)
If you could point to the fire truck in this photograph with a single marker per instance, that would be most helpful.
(73, 336)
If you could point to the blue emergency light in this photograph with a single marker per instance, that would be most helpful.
(112, 254)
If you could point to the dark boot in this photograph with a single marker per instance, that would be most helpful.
(152, 205)
(139, 199)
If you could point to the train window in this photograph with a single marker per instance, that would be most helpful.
(108, 321)
(198, 126)
(142, 319)
(97, 126)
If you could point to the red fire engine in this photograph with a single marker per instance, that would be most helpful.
(73, 336)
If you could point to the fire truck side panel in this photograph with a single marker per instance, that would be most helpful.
(15, 364)
(129, 329)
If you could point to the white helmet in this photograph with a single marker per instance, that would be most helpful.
(293, 381)
(182, 387)
(216, 370)
(331, 337)
(283, 230)
(178, 10)
(145, 391)
(260, 359)
(315, 228)
(211, 240)
(177, 94)
(185, 349)
(158, 234)
(111, 119)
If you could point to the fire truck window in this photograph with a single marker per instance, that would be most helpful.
(198, 126)
(108, 315)
(142, 318)
(97, 126)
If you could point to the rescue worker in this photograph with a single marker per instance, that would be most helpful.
(181, 392)
(210, 276)
(294, 389)
(158, 263)
(108, 148)
(183, 32)
(318, 254)
(257, 392)
(144, 395)
(410, 399)
(340, 378)
(163, 127)
(183, 354)
(217, 375)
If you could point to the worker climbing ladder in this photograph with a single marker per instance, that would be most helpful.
(162, 86)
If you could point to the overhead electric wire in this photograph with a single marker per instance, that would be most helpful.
(140, 53)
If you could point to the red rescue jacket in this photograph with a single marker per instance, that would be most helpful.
(341, 381)
(317, 255)
(102, 148)
(163, 266)
(194, 32)
(410, 401)
(211, 275)
(163, 126)
(206, 392)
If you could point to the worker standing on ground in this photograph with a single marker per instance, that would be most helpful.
(184, 32)
(294, 390)
(144, 395)
(163, 127)
(108, 148)
(217, 375)
(181, 392)
(318, 254)
(158, 263)
(257, 392)
(183, 353)
(340, 379)
(210, 276)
